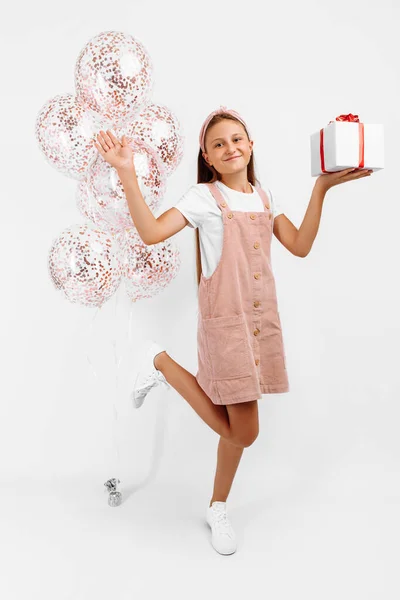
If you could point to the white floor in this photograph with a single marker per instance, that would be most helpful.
(299, 539)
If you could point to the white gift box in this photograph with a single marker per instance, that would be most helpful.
(343, 144)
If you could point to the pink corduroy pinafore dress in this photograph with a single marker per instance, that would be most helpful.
(239, 338)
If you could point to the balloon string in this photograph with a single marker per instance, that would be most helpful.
(117, 360)
(90, 336)
(117, 363)
(130, 325)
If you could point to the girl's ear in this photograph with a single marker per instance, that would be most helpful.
(206, 158)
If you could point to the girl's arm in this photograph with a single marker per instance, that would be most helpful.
(286, 233)
(152, 230)
(299, 241)
(119, 155)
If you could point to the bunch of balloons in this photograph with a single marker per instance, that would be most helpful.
(114, 83)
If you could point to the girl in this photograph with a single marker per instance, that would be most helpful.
(240, 348)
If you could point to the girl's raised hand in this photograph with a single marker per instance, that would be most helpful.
(118, 154)
(328, 180)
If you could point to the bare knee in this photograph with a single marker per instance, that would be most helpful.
(159, 360)
(244, 440)
(250, 439)
(243, 420)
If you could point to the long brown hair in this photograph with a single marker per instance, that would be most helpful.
(207, 174)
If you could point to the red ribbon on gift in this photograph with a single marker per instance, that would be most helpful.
(351, 119)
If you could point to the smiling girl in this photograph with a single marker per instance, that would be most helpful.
(239, 338)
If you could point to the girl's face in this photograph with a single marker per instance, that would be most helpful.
(228, 149)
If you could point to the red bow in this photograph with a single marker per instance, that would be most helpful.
(351, 119)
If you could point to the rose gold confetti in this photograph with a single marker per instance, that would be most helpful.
(65, 131)
(86, 264)
(148, 270)
(114, 76)
(159, 127)
(101, 197)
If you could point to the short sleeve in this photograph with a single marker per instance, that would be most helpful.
(276, 206)
(193, 206)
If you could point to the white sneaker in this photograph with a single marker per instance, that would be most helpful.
(223, 537)
(147, 376)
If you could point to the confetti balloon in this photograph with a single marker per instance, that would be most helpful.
(148, 270)
(86, 264)
(101, 197)
(87, 205)
(65, 132)
(160, 128)
(114, 76)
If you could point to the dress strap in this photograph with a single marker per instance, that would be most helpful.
(264, 197)
(218, 197)
(222, 203)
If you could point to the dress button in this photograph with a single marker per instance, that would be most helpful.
(256, 244)
(256, 303)
(256, 331)
(223, 204)
(257, 361)
(266, 205)
(257, 275)
(252, 217)
(230, 216)
(270, 215)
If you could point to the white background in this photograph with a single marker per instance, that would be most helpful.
(315, 502)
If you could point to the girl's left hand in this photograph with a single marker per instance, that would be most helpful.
(328, 180)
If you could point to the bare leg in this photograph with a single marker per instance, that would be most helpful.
(227, 463)
(216, 416)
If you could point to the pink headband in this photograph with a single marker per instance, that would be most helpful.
(220, 110)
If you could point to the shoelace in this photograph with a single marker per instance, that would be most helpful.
(222, 523)
(152, 378)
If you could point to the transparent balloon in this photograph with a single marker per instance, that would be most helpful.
(87, 206)
(158, 126)
(65, 132)
(148, 270)
(86, 263)
(101, 197)
(114, 76)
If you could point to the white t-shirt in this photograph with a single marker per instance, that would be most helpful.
(199, 207)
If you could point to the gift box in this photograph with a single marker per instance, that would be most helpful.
(346, 143)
